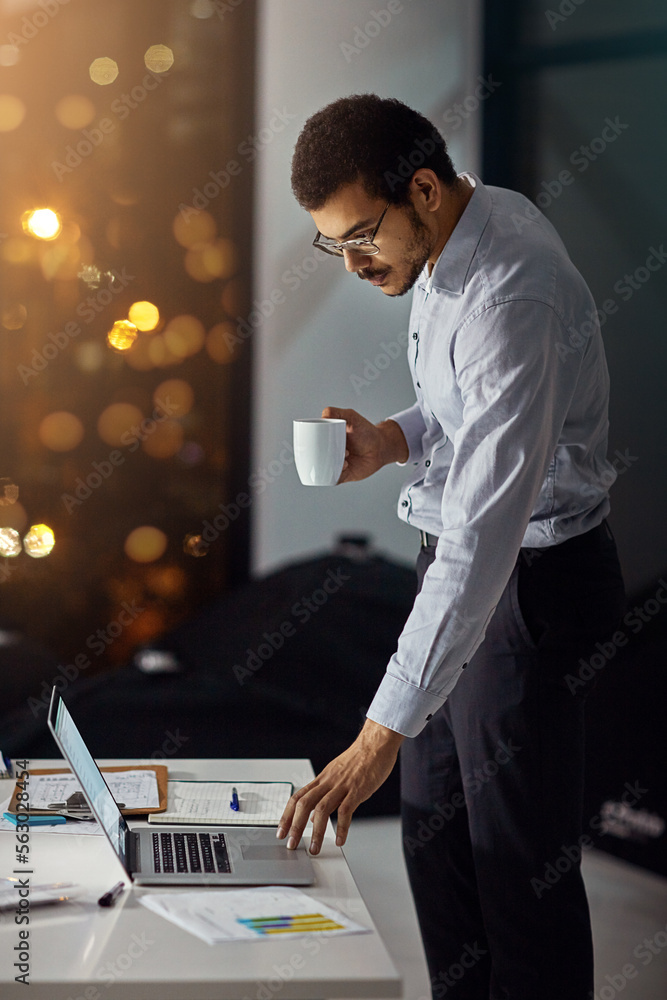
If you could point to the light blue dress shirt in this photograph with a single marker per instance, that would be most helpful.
(507, 439)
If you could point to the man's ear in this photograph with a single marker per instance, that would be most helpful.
(426, 189)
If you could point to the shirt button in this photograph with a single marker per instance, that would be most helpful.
(415, 336)
(428, 717)
(464, 666)
(419, 385)
(404, 503)
(427, 462)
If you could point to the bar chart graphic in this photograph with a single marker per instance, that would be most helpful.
(297, 923)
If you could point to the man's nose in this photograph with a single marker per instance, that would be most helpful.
(354, 261)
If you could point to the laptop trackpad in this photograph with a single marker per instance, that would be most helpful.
(259, 852)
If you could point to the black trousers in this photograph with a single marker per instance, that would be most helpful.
(492, 788)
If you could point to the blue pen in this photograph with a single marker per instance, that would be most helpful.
(234, 804)
(34, 820)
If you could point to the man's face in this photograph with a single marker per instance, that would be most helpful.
(404, 240)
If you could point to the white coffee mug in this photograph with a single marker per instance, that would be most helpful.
(319, 450)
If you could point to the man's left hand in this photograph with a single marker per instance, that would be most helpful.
(344, 784)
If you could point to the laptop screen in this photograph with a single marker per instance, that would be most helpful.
(93, 785)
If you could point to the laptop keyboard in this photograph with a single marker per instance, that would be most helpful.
(190, 852)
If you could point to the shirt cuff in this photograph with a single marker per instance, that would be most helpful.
(403, 707)
(412, 424)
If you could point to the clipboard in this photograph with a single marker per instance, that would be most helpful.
(161, 773)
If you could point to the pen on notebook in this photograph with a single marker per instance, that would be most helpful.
(234, 804)
(110, 897)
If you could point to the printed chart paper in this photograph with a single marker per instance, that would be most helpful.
(251, 914)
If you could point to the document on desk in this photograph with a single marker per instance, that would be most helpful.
(250, 914)
(77, 826)
(260, 803)
(135, 789)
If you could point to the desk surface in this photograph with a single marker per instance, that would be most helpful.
(81, 951)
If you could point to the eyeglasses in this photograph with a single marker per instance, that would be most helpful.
(365, 245)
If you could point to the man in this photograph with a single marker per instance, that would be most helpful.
(505, 453)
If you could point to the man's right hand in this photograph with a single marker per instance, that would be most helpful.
(369, 446)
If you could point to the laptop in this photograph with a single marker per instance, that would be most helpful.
(177, 855)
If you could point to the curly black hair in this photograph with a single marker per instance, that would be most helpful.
(380, 141)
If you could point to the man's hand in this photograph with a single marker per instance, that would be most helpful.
(369, 446)
(343, 785)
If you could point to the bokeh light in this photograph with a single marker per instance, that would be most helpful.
(89, 356)
(60, 262)
(175, 396)
(75, 111)
(61, 431)
(10, 543)
(168, 582)
(118, 423)
(9, 55)
(12, 112)
(9, 492)
(160, 353)
(71, 233)
(121, 193)
(122, 335)
(202, 9)
(156, 351)
(139, 356)
(194, 545)
(145, 544)
(159, 58)
(92, 276)
(184, 336)
(14, 316)
(144, 315)
(42, 223)
(208, 261)
(194, 227)
(39, 541)
(191, 453)
(222, 343)
(103, 71)
(164, 440)
(14, 516)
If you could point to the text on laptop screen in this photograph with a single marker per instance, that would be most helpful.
(92, 782)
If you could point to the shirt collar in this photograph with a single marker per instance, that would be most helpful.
(451, 268)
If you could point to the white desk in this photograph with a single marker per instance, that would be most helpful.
(81, 951)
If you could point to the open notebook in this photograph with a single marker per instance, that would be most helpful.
(261, 803)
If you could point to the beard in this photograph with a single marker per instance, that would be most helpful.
(417, 252)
